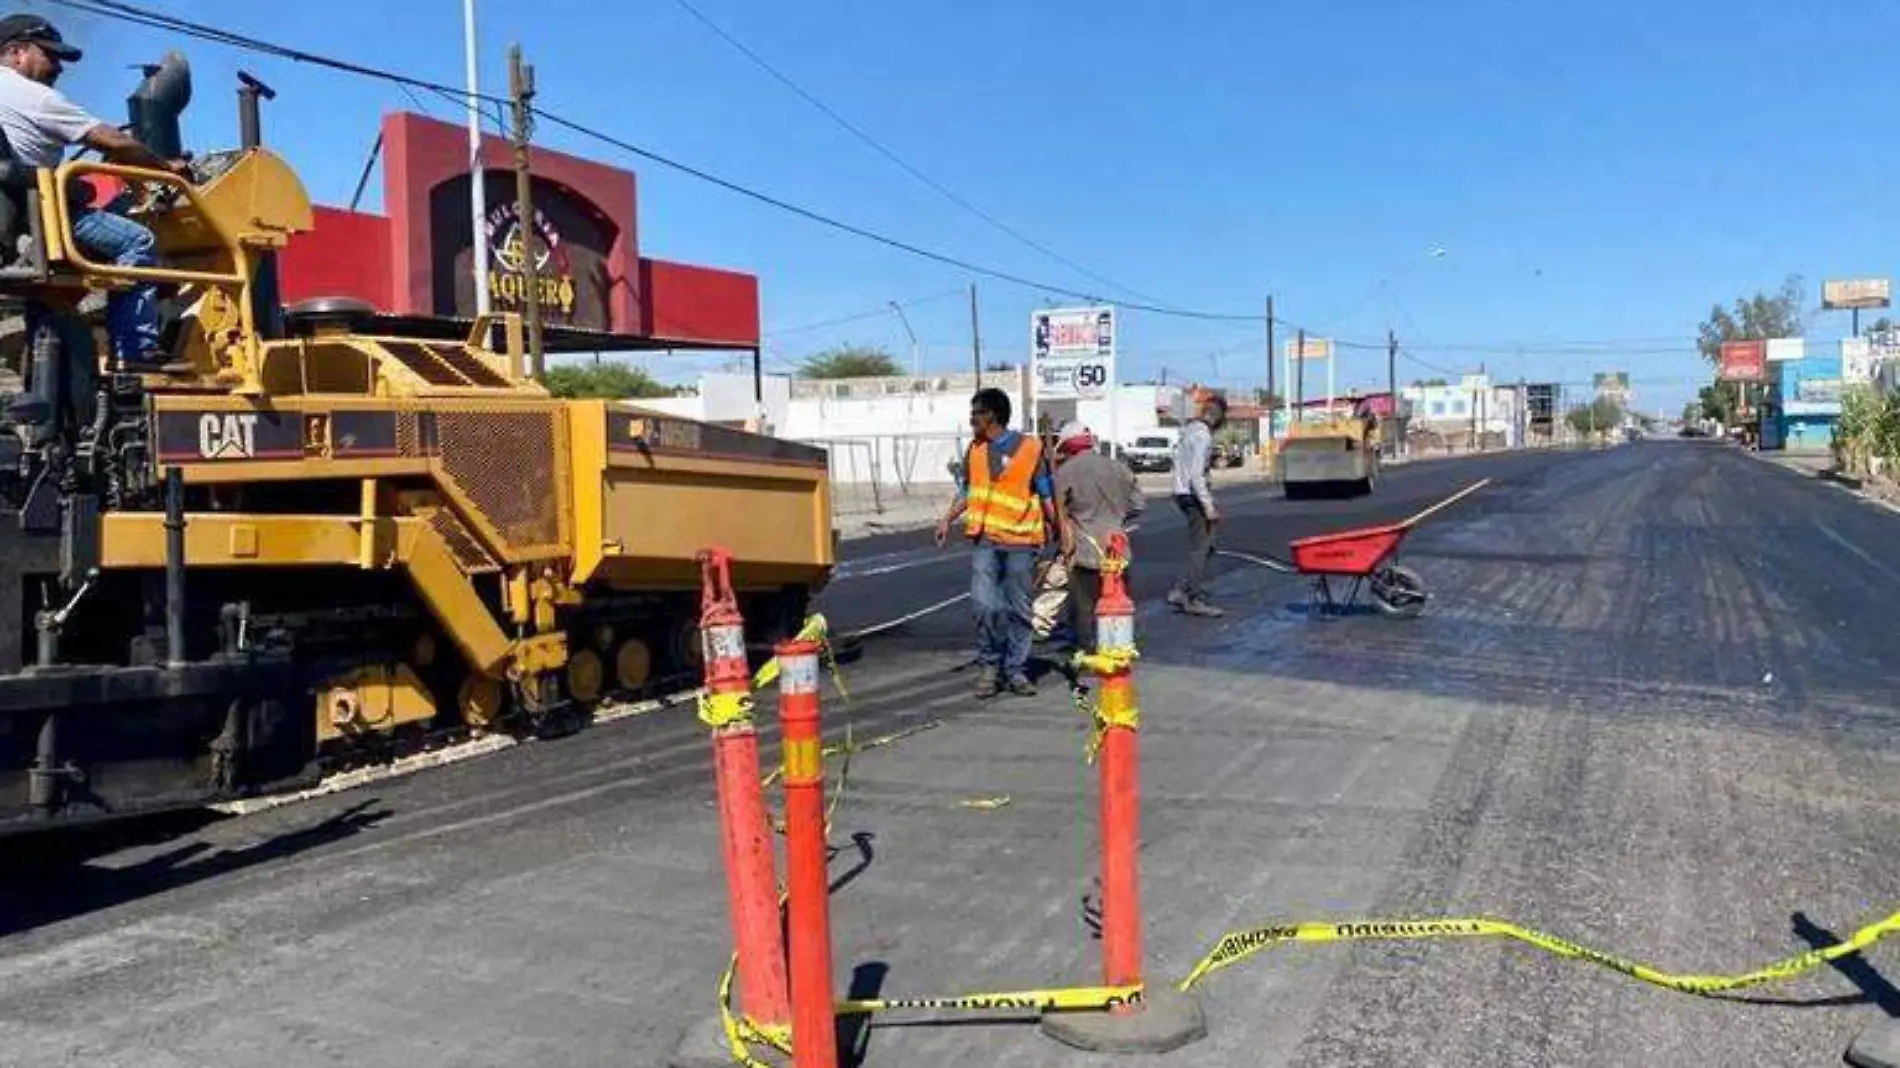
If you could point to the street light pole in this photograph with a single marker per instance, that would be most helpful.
(916, 361)
(477, 184)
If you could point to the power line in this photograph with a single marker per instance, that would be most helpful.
(117, 9)
(870, 313)
(125, 12)
(888, 153)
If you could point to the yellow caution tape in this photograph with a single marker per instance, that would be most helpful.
(814, 630)
(742, 1032)
(1239, 945)
(717, 710)
(984, 804)
(853, 748)
(1061, 999)
(1106, 662)
(1114, 709)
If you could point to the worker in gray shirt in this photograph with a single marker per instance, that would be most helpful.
(1099, 498)
(39, 124)
(1193, 455)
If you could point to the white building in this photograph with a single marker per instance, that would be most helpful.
(1458, 412)
(900, 430)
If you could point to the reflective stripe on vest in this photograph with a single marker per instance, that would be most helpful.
(1007, 510)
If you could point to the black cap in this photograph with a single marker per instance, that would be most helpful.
(39, 31)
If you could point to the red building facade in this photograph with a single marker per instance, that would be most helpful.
(582, 248)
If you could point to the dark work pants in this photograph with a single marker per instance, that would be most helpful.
(1085, 588)
(1200, 549)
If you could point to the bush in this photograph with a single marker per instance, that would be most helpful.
(1868, 430)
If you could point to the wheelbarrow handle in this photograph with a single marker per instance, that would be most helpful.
(1447, 502)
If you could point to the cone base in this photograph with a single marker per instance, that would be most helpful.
(704, 1046)
(1167, 1021)
(1876, 1047)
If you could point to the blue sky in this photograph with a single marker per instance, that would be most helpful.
(1595, 172)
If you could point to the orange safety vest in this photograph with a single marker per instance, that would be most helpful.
(1007, 510)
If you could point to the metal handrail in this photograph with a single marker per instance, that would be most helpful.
(75, 168)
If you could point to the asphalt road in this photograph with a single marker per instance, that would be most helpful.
(1649, 709)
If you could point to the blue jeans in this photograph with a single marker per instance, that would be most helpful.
(999, 591)
(131, 314)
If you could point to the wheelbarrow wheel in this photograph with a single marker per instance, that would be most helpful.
(1398, 591)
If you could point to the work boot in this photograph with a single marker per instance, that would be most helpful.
(986, 686)
(1202, 609)
(1022, 687)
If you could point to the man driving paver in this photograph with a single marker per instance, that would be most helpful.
(39, 124)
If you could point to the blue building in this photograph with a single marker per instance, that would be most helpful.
(1805, 397)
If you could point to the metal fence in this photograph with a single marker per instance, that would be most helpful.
(890, 474)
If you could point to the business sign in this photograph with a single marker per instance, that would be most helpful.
(563, 251)
(1818, 391)
(1316, 348)
(1813, 387)
(1856, 293)
(1072, 353)
(1744, 361)
(1814, 396)
(1783, 349)
(1857, 359)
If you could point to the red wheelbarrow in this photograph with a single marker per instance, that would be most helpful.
(1365, 556)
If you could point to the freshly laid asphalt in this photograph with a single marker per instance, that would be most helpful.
(1649, 709)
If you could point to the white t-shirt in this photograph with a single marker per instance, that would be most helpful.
(39, 122)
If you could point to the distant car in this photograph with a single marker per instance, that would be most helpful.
(1153, 451)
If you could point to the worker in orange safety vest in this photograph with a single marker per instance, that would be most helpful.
(1006, 498)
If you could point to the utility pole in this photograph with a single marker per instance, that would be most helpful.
(521, 88)
(1299, 377)
(1471, 443)
(1272, 398)
(1392, 382)
(976, 340)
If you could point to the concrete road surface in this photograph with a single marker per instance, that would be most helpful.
(1650, 708)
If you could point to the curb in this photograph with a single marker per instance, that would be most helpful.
(1853, 487)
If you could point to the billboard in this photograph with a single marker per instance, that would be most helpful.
(1855, 293)
(1317, 348)
(1744, 361)
(1072, 353)
(1783, 349)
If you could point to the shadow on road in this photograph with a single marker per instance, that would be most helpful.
(51, 878)
(861, 842)
(1874, 987)
(854, 1032)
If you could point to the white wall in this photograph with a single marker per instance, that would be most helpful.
(1494, 406)
(899, 431)
(1135, 410)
